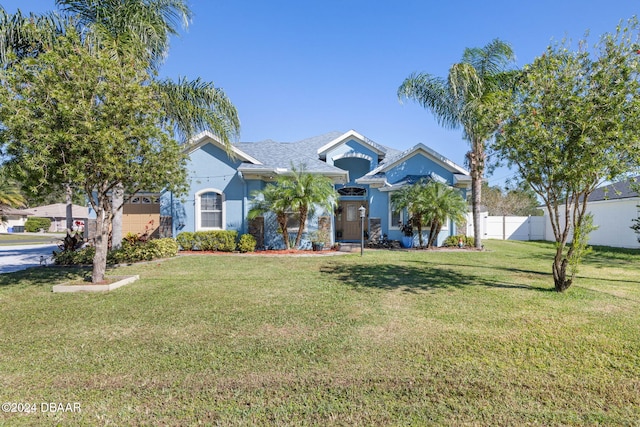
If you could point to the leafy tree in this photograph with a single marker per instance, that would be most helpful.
(575, 123)
(141, 29)
(306, 192)
(518, 201)
(272, 199)
(73, 114)
(472, 97)
(132, 30)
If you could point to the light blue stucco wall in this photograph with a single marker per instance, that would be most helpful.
(211, 168)
(417, 164)
(380, 202)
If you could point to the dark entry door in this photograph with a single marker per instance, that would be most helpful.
(349, 219)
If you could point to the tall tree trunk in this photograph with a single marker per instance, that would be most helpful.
(476, 164)
(419, 227)
(433, 234)
(117, 198)
(282, 220)
(101, 245)
(560, 280)
(68, 198)
(303, 221)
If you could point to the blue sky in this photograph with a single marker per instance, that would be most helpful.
(296, 69)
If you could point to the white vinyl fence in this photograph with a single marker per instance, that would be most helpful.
(510, 227)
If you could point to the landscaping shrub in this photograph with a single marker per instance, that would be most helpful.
(247, 243)
(128, 252)
(143, 251)
(80, 257)
(216, 240)
(453, 240)
(186, 240)
(34, 224)
(166, 247)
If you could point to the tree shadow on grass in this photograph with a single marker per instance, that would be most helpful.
(411, 278)
(43, 276)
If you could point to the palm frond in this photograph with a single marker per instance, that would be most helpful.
(193, 106)
(143, 25)
(28, 35)
(491, 59)
(432, 93)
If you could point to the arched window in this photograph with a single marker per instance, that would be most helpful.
(210, 210)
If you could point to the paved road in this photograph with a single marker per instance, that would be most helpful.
(15, 258)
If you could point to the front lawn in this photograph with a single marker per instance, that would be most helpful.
(392, 338)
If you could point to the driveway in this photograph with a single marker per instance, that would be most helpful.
(15, 258)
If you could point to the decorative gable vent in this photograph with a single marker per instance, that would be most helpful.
(352, 191)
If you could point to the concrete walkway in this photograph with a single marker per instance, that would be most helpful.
(19, 257)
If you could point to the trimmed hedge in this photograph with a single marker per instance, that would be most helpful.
(214, 240)
(186, 240)
(247, 243)
(34, 224)
(453, 240)
(129, 252)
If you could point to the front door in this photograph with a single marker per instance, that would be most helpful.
(348, 220)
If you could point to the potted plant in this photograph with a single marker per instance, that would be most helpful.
(319, 238)
(407, 233)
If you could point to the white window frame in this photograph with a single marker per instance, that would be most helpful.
(393, 226)
(198, 207)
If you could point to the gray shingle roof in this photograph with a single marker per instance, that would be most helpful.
(284, 154)
(618, 190)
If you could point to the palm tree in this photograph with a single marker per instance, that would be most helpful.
(272, 199)
(10, 194)
(442, 203)
(143, 27)
(307, 191)
(470, 97)
(408, 197)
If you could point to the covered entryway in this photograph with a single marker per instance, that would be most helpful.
(348, 220)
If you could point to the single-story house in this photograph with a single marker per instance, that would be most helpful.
(12, 220)
(365, 174)
(613, 207)
(57, 213)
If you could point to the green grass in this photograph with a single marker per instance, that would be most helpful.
(392, 338)
(11, 239)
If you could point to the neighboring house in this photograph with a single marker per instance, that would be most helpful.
(365, 174)
(613, 207)
(57, 213)
(12, 220)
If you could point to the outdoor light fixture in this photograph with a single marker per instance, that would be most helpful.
(363, 211)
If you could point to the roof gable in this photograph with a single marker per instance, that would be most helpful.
(352, 134)
(420, 149)
(207, 137)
